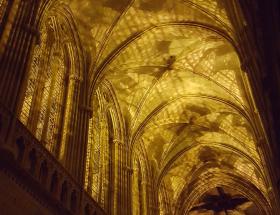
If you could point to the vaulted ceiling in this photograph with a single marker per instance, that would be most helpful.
(175, 71)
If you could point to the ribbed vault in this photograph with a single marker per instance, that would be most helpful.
(174, 69)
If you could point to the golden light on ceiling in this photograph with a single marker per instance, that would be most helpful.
(171, 70)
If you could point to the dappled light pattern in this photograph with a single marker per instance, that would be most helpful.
(237, 204)
(106, 24)
(214, 155)
(97, 161)
(203, 63)
(175, 78)
(43, 103)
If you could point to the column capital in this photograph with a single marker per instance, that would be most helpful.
(75, 77)
(67, 41)
(119, 142)
(146, 183)
(260, 142)
(128, 169)
(31, 29)
(86, 108)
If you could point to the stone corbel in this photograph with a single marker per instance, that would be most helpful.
(75, 78)
(128, 169)
(66, 41)
(260, 142)
(86, 109)
(33, 31)
(119, 142)
(147, 184)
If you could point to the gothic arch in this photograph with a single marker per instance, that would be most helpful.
(221, 179)
(59, 50)
(100, 70)
(110, 142)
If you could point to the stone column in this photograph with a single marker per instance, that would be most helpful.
(80, 143)
(127, 182)
(264, 145)
(75, 131)
(122, 180)
(70, 124)
(18, 34)
(152, 195)
(116, 192)
(144, 197)
(16, 43)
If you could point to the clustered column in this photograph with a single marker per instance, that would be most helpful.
(122, 179)
(17, 39)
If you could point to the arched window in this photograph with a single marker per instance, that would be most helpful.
(136, 188)
(43, 174)
(87, 210)
(64, 192)
(44, 98)
(73, 201)
(94, 157)
(32, 161)
(97, 162)
(54, 183)
(21, 148)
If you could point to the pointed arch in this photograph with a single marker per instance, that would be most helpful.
(56, 60)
